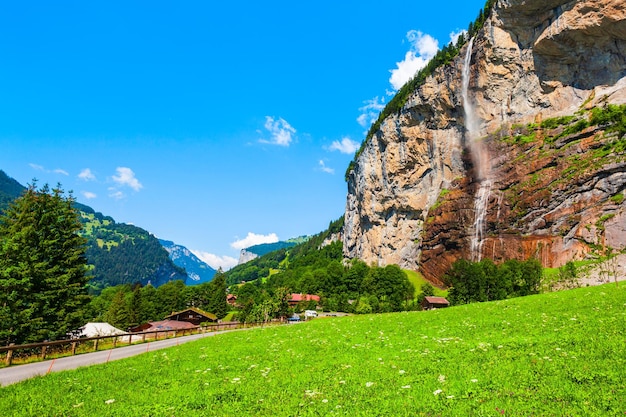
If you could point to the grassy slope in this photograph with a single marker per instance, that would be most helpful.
(550, 355)
(418, 280)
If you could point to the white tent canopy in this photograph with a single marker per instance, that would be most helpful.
(98, 329)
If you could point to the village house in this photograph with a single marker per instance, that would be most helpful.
(231, 299)
(295, 299)
(192, 315)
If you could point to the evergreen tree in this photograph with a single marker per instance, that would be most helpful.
(217, 298)
(119, 314)
(43, 269)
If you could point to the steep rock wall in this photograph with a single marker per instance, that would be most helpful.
(533, 59)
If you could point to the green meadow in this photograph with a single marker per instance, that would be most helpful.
(555, 354)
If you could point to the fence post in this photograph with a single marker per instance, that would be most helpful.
(130, 339)
(43, 352)
(95, 345)
(9, 358)
(143, 337)
(114, 342)
(73, 348)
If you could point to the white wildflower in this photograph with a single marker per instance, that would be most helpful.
(369, 384)
(437, 392)
(406, 386)
(111, 401)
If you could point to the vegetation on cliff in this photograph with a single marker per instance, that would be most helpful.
(540, 194)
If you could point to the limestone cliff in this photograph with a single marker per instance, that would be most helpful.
(532, 60)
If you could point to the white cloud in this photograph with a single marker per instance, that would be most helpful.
(370, 111)
(280, 130)
(116, 194)
(423, 48)
(87, 175)
(326, 169)
(89, 195)
(254, 239)
(216, 261)
(454, 36)
(126, 177)
(347, 146)
(37, 167)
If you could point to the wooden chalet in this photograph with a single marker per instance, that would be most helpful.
(231, 299)
(431, 303)
(192, 315)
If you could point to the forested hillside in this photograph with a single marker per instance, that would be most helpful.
(117, 253)
(317, 267)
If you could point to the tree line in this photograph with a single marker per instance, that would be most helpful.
(485, 281)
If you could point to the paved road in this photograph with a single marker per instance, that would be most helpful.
(19, 373)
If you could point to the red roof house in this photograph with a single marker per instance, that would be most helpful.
(298, 298)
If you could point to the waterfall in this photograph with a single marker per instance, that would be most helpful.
(479, 158)
(468, 107)
(481, 201)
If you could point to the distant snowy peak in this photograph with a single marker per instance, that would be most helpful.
(197, 271)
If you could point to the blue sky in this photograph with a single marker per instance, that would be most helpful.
(217, 125)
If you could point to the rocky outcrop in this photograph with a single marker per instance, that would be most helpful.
(245, 256)
(532, 60)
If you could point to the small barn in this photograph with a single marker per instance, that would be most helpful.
(192, 315)
(432, 303)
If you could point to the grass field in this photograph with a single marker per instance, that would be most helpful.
(556, 354)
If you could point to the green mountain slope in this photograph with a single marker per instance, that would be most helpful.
(118, 253)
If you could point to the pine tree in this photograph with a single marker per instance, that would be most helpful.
(217, 299)
(43, 269)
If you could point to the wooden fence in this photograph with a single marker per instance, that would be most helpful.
(68, 347)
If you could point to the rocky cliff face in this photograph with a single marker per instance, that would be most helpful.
(532, 60)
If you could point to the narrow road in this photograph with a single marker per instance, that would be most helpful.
(18, 373)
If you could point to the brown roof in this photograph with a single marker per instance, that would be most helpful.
(209, 316)
(437, 300)
(163, 325)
